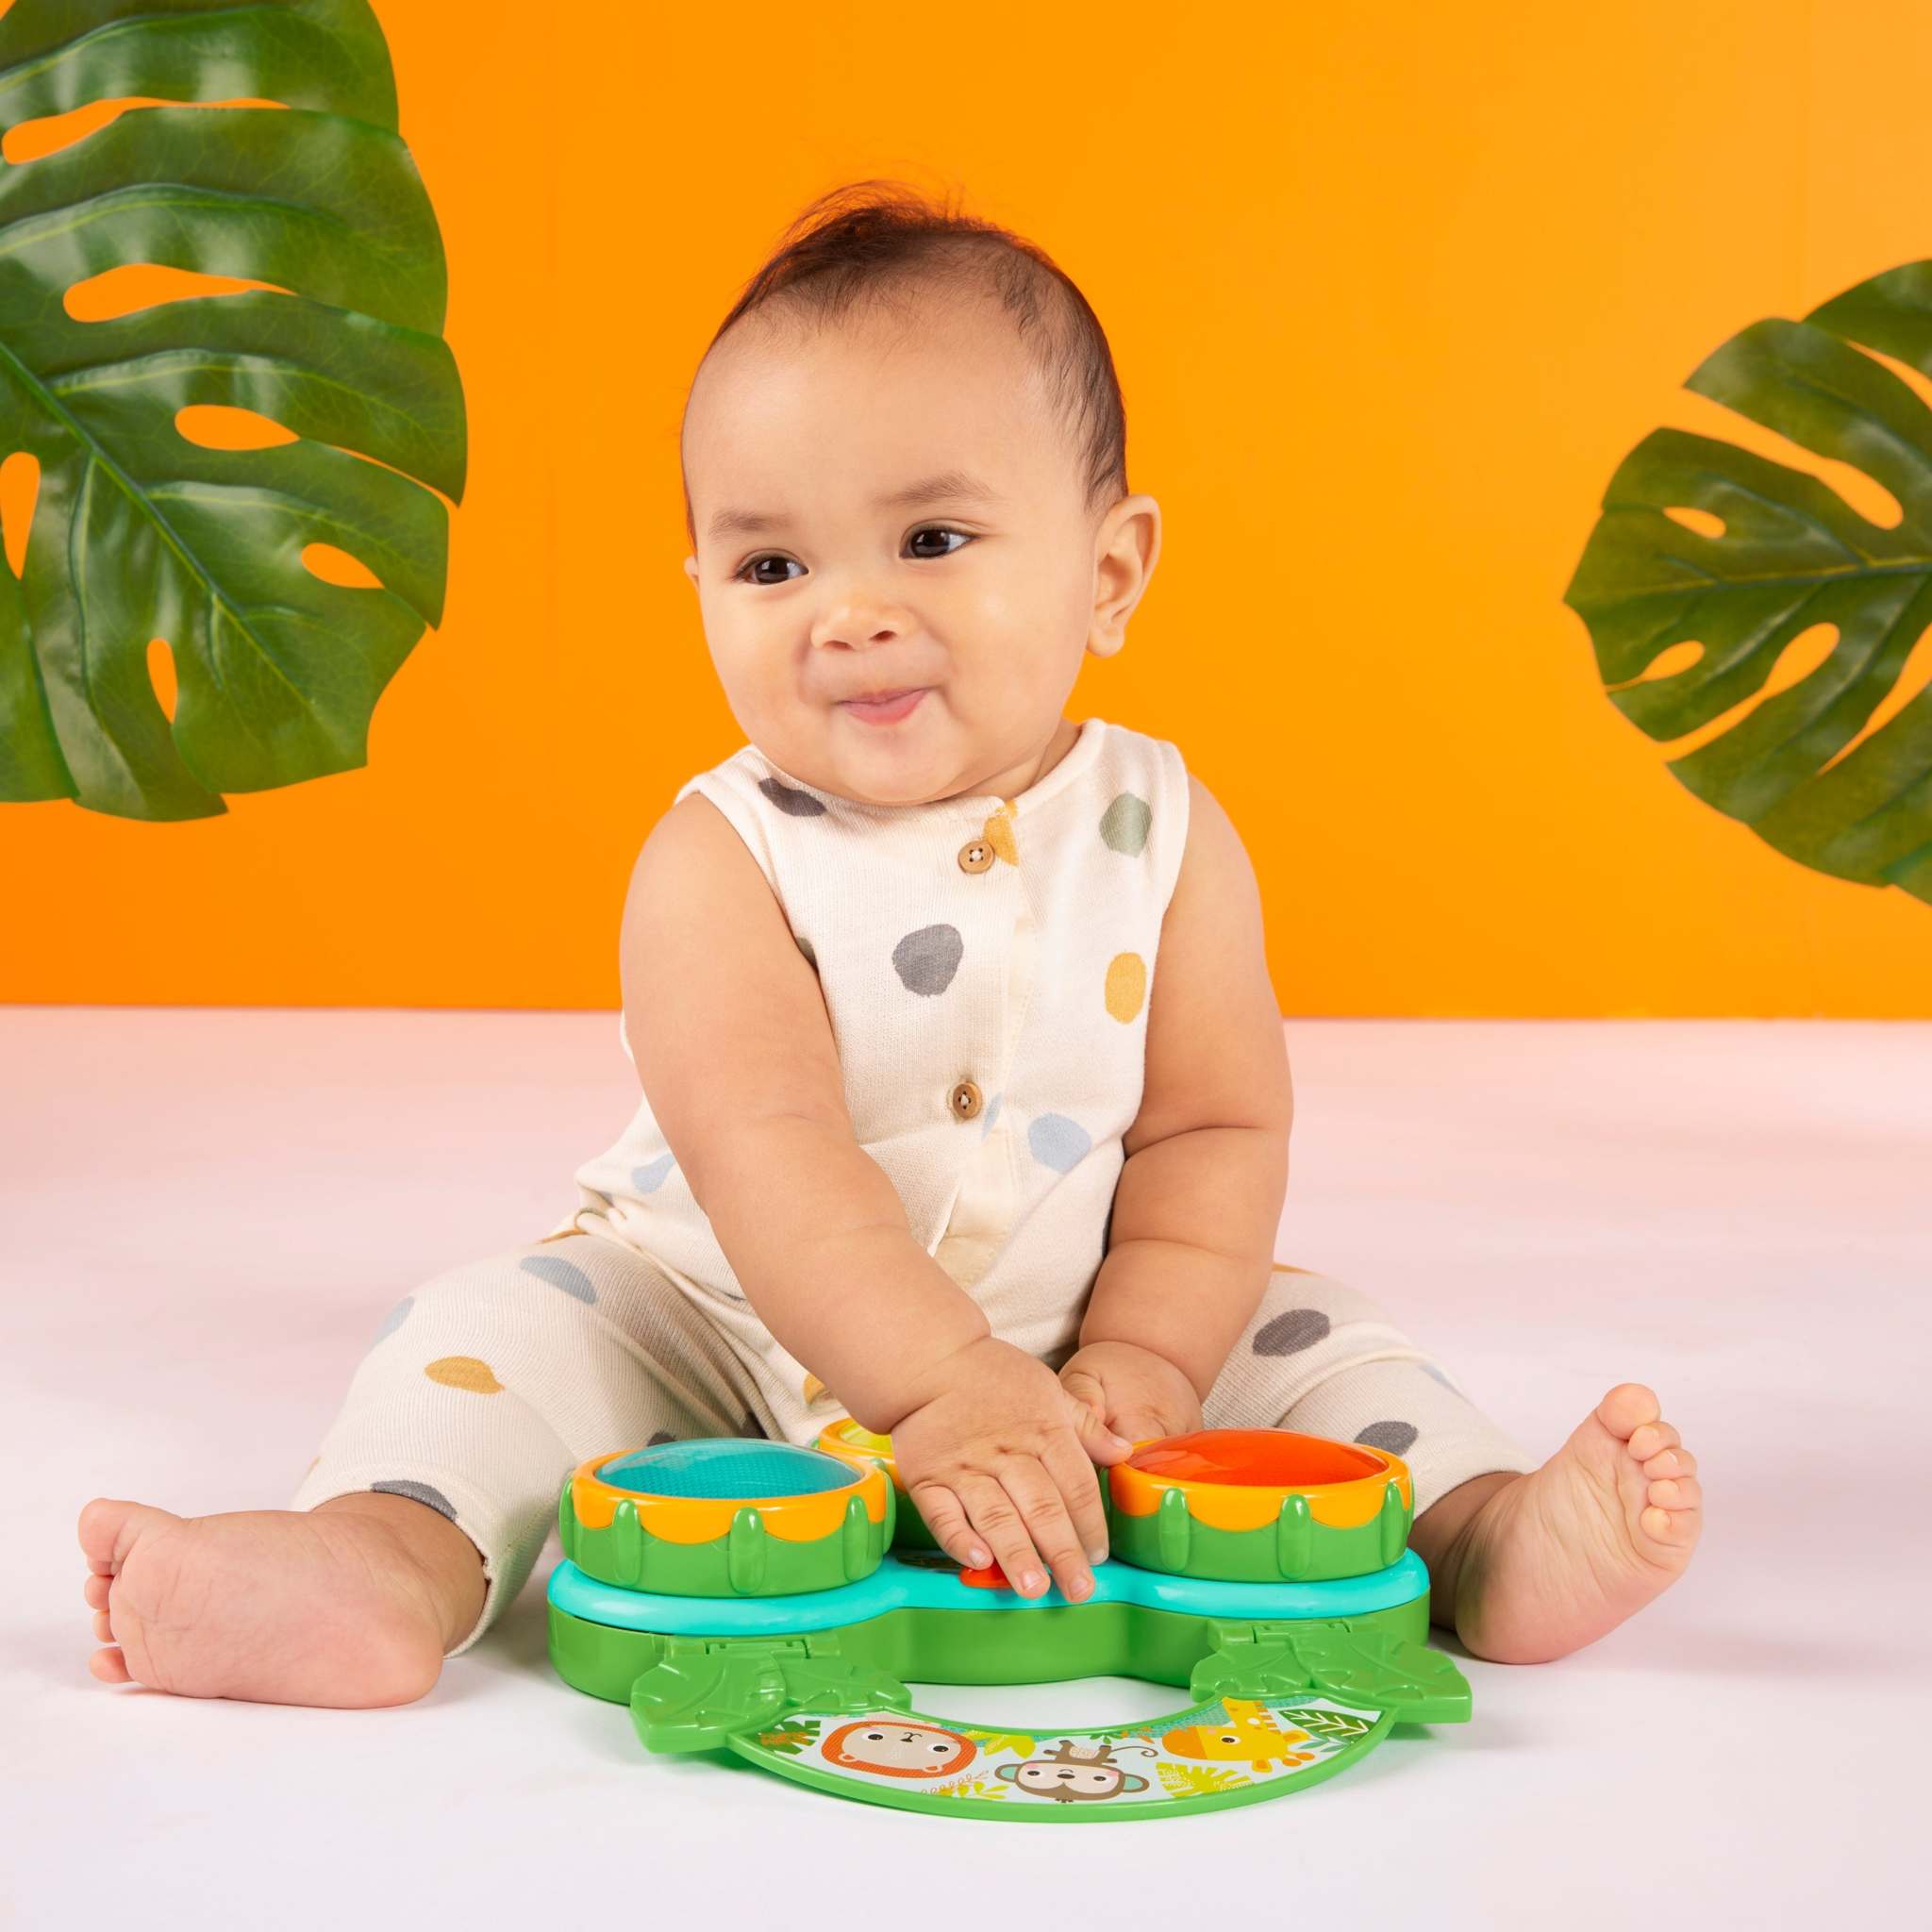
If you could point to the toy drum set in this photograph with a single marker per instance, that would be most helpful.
(772, 1600)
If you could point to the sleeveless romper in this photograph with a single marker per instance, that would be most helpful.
(987, 965)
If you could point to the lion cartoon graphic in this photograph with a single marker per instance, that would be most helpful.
(891, 1744)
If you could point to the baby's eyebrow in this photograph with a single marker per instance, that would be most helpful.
(945, 486)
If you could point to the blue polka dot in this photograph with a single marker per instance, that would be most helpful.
(992, 1113)
(1435, 1374)
(648, 1178)
(559, 1273)
(393, 1319)
(1058, 1142)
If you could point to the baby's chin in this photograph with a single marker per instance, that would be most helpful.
(882, 765)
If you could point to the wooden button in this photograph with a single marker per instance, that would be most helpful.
(974, 856)
(965, 1099)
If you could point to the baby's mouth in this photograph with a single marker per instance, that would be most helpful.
(885, 708)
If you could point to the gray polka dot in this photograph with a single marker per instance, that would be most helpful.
(393, 1319)
(794, 803)
(417, 1493)
(1395, 1438)
(648, 1178)
(925, 960)
(991, 1114)
(1288, 1334)
(805, 947)
(660, 1435)
(1058, 1143)
(559, 1273)
(1123, 823)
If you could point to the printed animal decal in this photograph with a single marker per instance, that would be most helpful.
(894, 1745)
(1250, 1736)
(1075, 1771)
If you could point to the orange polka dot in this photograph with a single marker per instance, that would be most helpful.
(1126, 985)
(464, 1372)
(998, 833)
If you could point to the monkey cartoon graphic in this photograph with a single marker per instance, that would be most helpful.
(891, 1745)
(1076, 1771)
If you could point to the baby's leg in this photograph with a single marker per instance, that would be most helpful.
(1526, 1563)
(422, 1514)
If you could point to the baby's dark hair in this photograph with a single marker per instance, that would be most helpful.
(867, 245)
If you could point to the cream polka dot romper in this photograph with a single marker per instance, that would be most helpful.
(987, 965)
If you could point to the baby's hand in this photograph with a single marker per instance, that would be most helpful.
(1132, 1390)
(1005, 1456)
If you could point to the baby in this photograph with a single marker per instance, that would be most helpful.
(966, 1105)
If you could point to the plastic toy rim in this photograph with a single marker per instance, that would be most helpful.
(830, 1441)
(1244, 1506)
(692, 1519)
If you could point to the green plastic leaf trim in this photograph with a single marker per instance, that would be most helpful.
(140, 534)
(1792, 553)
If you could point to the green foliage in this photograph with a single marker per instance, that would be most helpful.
(1791, 555)
(139, 533)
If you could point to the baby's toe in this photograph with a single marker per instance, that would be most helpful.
(1626, 1408)
(1675, 1492)
(1675, 1528)
(95, 1591)
(110, 1526)
(1652, 1439)
(109, 1666)
(1673, 1461)
(104, 1629)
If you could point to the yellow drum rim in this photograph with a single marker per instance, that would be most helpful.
(704, 1519)
(1346, 1504)
(858, 1447)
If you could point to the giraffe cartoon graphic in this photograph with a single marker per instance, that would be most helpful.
(1250, 1736)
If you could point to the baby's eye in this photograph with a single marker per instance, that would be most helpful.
(743, 572)
(938, 530)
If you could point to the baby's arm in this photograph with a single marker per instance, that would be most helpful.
(1199, 1199)
(735, 1049)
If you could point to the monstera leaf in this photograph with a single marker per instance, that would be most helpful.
(139, 533)
(1791, 555)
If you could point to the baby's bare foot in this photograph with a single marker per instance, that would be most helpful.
(1553, 1559)
(350, 1605)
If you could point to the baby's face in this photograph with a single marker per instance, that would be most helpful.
(982, 603)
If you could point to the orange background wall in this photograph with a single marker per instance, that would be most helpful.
(1390, 293)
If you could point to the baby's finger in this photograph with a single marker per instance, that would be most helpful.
(1080, 1487)
(1143, 1426)
(992, 1512)
(1084, 1388)
(1048, 1524)
(940, 1508)
(1101, 1443)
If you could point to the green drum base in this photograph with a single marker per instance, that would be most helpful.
(1279, 1701)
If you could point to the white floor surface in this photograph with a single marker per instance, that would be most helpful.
(204, 1214)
